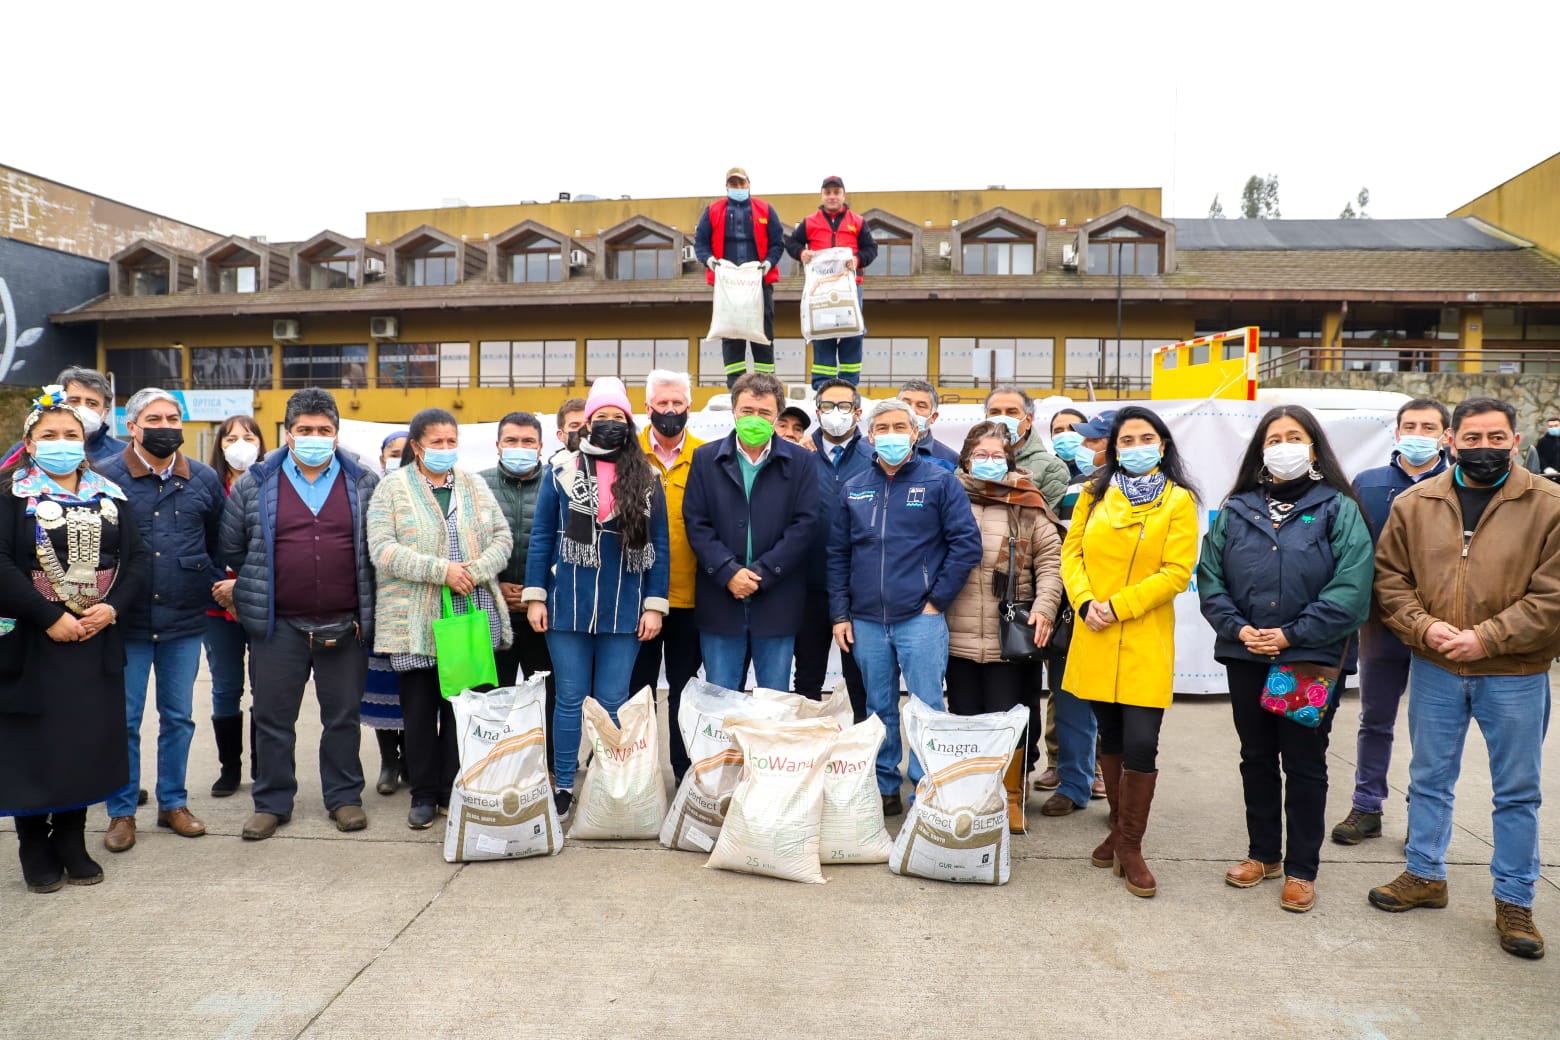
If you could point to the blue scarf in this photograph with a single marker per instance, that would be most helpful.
(1140, 491)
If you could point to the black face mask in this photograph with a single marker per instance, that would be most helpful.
(161, 442)
(609, 434)
(669, 424)
(1484, 465)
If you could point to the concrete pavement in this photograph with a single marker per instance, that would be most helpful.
(323, 935)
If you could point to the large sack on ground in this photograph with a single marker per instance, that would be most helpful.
(772, 824)
(852, 828)
(830, 307)
(502, 806)
(835, 706)
(739, 302)
(957, 830)
(699, 807)
(622, 795)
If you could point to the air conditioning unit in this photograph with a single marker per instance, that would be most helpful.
(578, 258)
(284, 329)
(1069, 257)
(689, 256)
(383, 328)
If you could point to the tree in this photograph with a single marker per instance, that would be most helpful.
(1362, 200)
(1216, 211)
(1259, 198)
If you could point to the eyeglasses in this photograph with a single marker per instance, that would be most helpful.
(981, 456)
(825, 407)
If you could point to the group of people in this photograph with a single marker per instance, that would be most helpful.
(999, 571)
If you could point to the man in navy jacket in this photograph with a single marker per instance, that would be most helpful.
(750, 509)
(177, 505)
(1420, 452)
(841, 452)
(904, 541)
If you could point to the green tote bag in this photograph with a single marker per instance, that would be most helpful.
(463, 646)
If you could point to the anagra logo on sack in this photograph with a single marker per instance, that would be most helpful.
(840, 767)
(624, 753)
(943, 748)
(713, 733)
(779, 764)
(493, 735)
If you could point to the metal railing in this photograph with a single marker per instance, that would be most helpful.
(1410, 358)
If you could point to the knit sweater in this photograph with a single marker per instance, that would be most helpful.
(409, 544)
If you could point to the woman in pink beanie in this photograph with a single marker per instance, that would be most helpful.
(598, 570)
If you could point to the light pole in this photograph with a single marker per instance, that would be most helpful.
(1118, 316)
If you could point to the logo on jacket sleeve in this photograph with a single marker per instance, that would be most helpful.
(862, 496)
(916, 497)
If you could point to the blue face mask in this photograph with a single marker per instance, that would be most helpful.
(1084, 460)
(920, 423)
(1138, 461)
(1066, 443)
(520, 460)
(439, 460)
(892, 448)
(313, 451)
(989, 469)
(1010, 423)
(59, 458)
(1553, 431)
(737, 194)
(1418, 450)
(392, 464)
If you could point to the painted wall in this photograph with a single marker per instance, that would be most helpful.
(34, 283)
(47, 213)
(584, 219)
(1527, 205)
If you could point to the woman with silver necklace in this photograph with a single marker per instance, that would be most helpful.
(68, 565)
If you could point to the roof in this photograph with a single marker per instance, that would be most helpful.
(1364, 234)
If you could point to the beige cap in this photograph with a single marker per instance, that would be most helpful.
(736, 171)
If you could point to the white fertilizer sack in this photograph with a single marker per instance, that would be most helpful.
(852, 828)
(738, 312)
(622, 795)
(699, 807)
(772, 823)
(830, 307)
(835, 706)
(957, 830)
(502, 805)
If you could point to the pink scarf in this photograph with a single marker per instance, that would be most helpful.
(606, 476)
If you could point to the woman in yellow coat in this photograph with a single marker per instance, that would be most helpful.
(1131, 548)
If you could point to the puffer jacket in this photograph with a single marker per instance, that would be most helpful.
(517, 498)
(180, 521)
(249, 541)
(974, 617)
(1049, 473)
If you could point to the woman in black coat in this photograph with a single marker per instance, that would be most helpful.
(68, 564)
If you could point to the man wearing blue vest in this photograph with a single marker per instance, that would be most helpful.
(740, 229)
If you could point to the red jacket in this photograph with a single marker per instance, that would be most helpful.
(820, 235)
(761, 217)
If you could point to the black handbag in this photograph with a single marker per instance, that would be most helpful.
(1015, 635)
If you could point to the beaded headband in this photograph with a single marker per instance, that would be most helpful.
(51, 400)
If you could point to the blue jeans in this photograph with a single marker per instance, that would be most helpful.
(227, 645)
(725, 659)
(1075, 732)
(598, 666)
(176, 661)
(917, 647)
(1513, 715)
(1384, 665)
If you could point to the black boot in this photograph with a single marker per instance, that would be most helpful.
(41, 867)
(229, 732)
(69, 838)
(391, 766)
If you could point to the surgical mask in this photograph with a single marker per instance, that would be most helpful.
(241, 454)
(1008, 422)
(608, 434)
(920, 423)
(160, 442)
(892, 448)
(754, 430)
(392, 464)
(1066, 443)
(1418, 450)
(669, 424)
(59, 457)
(737, 194)
(91, 421)
(519, 460)
(1287, 461)
(439, 460)
(313, 451)
(1139, 460)
(1553, 431)
(989, 469)
(1084, 460)
(1487, 466)
(836, 423)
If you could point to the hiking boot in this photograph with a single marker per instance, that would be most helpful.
(1298, 896)
(1518, 934)
(1059, 805)
(1408, 892)
(349, 817)
(1356, 827)
(262, 825)
(1249, 873)
(1049, 780)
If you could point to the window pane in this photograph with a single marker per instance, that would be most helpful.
(1023, 258)
(455, 364)
(644, 264)
(974, 258)
(666, 263)
(1083, 361)
(555, 267)
(899, 260)
(329, 366)
(529, 366)
(623, 260)
(150, 366)
(601, 357)
(954, 366)
(230, 368)
(493, 361)
(996, 231)
(876, 359)
(561, 361)
(636, 357)
(999, 258)
(909, 359)
(408, 364)
(1033, 366)
(1148, 258)
(671, 354)
(1099, 258)
(149, 281)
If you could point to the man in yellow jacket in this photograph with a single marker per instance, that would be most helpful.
(669, 447)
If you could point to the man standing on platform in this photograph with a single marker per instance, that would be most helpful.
(740, 229)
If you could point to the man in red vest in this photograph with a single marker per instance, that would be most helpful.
(835, 225)
(741, 229)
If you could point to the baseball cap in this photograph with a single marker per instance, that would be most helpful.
(796, 413)
(833, 181)
(1097, 427)
(736, 171)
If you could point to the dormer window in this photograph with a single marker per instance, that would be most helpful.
(432, 264)
(536, 259)
(333, 269)
(149, 278)
(1126, 249)
(643, 256)
(893, 258)
(238, 278)
(999, 249)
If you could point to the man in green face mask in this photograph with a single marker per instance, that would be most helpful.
(750, 509)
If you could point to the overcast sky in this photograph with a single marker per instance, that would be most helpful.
(284, 118)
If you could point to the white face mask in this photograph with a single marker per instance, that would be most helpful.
(91, 421)
(241, 454)
(837, 423)
(1287, 461)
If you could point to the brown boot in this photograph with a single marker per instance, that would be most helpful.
(1519, 936)
(1137, 795)
(1104, 854)
(1013, 780)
